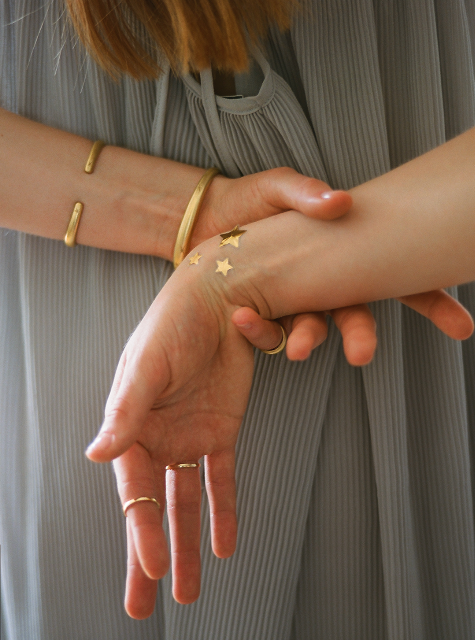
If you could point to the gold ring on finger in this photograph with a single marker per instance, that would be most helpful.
(129, 503)
(183, 465)
(279, 347)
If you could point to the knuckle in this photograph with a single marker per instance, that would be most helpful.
(137, 487)
(280, 173)
(183, 507)
(187, 557)
(118, 411)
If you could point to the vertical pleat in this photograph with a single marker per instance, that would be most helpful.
(336, 47)
(354, 488)
(341, 590)
(388, 427)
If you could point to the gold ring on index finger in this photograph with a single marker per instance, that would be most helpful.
(280, 347)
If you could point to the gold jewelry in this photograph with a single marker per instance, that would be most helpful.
(196, 258)
(280, 347)
(129, 503)
(232, 237)
(183, 465)
(70, 237)
(93, 155)
(189, 217)
(223, 266)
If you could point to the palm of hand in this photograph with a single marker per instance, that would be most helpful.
(202, 415)
(179, 395)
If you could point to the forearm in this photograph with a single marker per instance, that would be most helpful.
(410, 230)
(132, 202)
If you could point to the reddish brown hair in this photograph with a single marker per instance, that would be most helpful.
(193, 34)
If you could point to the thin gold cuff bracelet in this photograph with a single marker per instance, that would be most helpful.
(70, 237)
(189, 218)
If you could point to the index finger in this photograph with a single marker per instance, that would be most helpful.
(137, 478)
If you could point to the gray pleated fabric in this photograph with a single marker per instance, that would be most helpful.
(354, 486)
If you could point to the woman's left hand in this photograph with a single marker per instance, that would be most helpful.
(356, 324)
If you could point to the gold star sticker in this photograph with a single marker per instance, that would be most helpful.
(232, 237)
(223, 267)
(195, 259)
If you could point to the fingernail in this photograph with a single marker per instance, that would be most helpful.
(244, 325)
(326, 195)
(103, 442)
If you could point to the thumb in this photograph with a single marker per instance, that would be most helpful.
(131, 399)
(286, 189)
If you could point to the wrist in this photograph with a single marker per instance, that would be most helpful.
(210, 219)
(136, 202)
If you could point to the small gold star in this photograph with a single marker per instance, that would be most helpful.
(223, 267)
(195, 259)
(232, 237)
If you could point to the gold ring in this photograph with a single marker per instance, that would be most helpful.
(280, 347)
(129, 503)
(183, 465)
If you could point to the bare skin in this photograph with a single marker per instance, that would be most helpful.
(182, 384)
(135, 202)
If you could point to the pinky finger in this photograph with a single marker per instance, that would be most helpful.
(445, 312)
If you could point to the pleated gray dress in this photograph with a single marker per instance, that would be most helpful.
(355, 486)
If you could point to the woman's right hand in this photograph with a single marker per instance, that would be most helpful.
(240, 201)
(134, 202)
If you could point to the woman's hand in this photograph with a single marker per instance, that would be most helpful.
(182, 384)
(231, 201)
(134, 202)
(268, 193)
(356, 324)
(179, 394)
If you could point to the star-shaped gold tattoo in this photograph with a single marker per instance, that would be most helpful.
(195, 259)
(232, 237)
(223, 267)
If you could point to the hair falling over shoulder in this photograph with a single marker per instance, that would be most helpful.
(125, 36)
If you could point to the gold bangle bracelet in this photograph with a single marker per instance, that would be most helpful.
(93, 155)
(189, 218)
(71, 232)
(70, 237)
